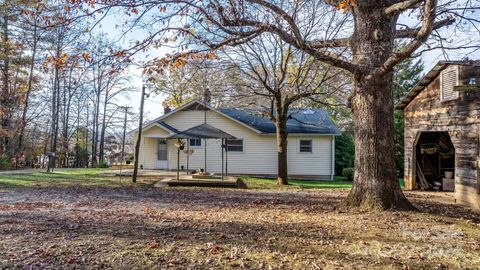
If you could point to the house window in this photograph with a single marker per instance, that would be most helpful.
(449, 79)
(195, 142)
(235, 145)
(305, 146)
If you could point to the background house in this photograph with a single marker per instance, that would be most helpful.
(442, 130)
(311, 143)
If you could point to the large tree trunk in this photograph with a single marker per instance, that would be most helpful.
(281, 132)
(375, 183)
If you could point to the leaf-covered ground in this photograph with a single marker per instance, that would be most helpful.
(74, 226)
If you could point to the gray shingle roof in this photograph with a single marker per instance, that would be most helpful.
(167, 126)
(305, 121)
(203, 131)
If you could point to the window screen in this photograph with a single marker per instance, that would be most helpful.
(195, 142)
(448, 80)
(235, 145)
(305, 146)
(162, 150)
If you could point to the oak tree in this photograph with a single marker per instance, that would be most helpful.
(357, 36)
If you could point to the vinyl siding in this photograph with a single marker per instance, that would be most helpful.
(259, 151)
(148, 153)
(156, 131)
(318, 162)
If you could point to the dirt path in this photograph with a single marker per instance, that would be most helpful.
(193, 228)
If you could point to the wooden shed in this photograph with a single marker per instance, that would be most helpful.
(442, 131)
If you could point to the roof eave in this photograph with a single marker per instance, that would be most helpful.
(424, 82)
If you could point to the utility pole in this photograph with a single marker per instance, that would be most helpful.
(139, 137)
(123, 138)
(124, 132)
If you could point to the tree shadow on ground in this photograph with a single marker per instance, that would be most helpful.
(443, 209)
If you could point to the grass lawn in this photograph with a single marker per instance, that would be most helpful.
(266, 183)
(95, 177)
(91, 177)
(79, 219)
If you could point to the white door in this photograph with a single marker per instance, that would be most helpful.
(162, 153)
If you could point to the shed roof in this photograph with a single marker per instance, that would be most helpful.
(202, 131)
(301, 121)
(427, 79)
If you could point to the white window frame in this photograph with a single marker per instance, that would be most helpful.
(457, 82)
(300, 146)
(243, 146)
(195, 146)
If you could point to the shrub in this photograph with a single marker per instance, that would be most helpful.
(129, 158)
(5, 162)
(103, 164)
(348, 173)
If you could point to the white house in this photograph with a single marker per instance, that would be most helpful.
(311, 142)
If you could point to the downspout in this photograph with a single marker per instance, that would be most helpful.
(332, 172)
(205, 140)
(143, 163)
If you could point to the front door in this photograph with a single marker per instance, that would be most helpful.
(162, 152)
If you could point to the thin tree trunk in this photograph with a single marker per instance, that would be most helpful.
(96, 115)
(64, 125)
(375, 183)
(67, 105)
(86, 133)
(281, 133)
(139, 137)
(55, 109)
(46, 141)
(102, 131)
(77, 137)
(123, 138)
(23, 122)
(5, 97)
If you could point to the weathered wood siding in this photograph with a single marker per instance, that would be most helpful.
(461, 119)
(259, 156)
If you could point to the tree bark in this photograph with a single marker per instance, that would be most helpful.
(375, 183)
(23, 122)
(102, 130)
(55, 113)
(5, 101)
(96, 115)
(139, 137)
(281, 133)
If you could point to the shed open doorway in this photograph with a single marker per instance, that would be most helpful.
(434, 162)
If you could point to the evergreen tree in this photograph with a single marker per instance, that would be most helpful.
(406, 75)
(344, 152)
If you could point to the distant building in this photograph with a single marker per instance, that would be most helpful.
(311, 142)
